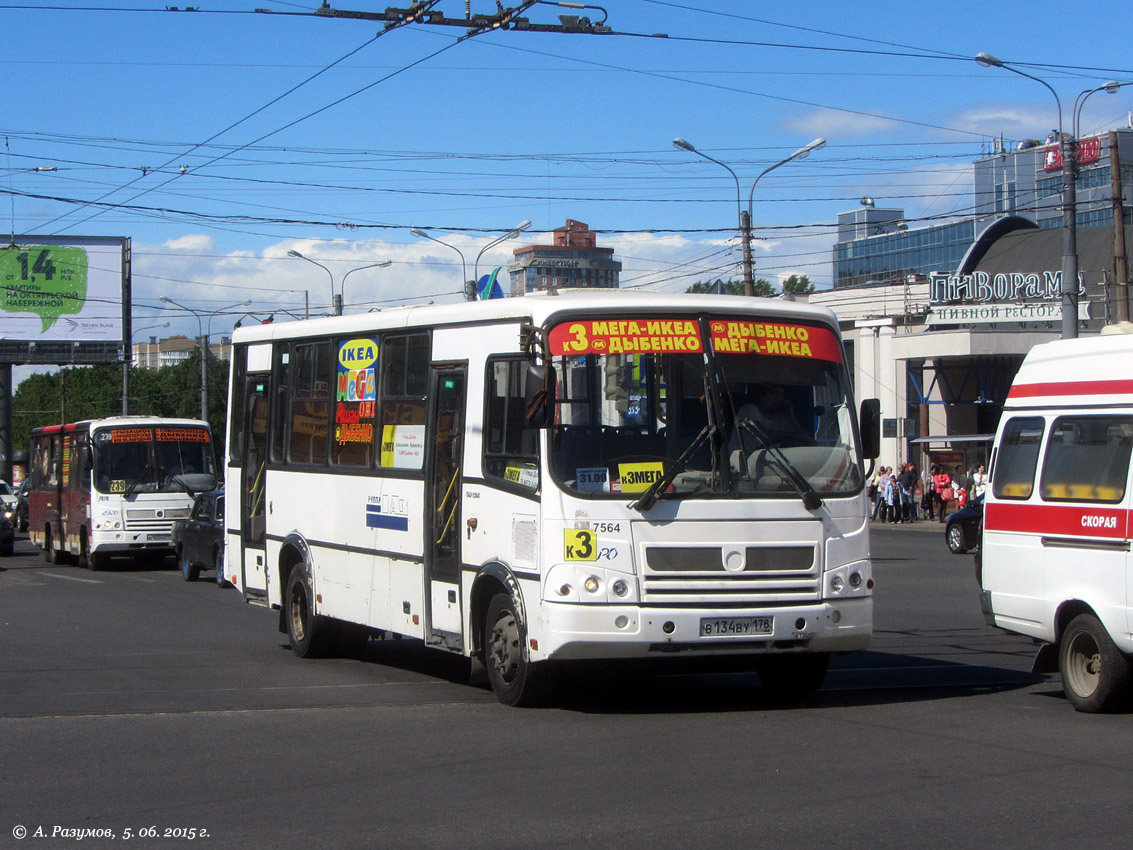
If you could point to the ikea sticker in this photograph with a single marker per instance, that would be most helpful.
(357, 353)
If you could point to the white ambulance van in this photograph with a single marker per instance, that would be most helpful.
(1056, 562)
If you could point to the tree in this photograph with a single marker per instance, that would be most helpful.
(762, 287)
(799, 284)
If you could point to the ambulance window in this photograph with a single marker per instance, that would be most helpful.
(1087, 459)
(1017, 458)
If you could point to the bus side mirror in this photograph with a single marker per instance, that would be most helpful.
(869, 422)
(538, 396)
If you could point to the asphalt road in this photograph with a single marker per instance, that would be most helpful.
(131, 701)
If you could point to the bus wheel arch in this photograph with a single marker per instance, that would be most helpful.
(310, 634)
(514, 677)
(494, 578)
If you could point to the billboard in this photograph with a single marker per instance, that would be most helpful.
(64, 299)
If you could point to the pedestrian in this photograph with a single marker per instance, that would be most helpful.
(979, 482)
(928, 490)
(907, 485)
(885, 495)
(871, 492)
(879, 495)
(943, 483)
(893, 498)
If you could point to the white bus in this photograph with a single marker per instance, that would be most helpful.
(588, 476)
(1055, 560)
(105, 487)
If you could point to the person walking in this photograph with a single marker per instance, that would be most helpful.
(979, 482)
(874, 491)
(943, 482)
(929, 498)
(907, 485)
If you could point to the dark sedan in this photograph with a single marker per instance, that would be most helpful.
(963, 527)
(199, 540)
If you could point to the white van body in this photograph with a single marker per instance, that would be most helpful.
(1055, 552)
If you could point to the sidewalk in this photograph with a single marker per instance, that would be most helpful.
(930, 525)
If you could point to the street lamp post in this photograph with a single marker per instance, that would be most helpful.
(126, 366)
(1067, 144)
(745, 215)
(511, 234)
(342, 286)
(336, 300)
(421, 234)
(203, 337)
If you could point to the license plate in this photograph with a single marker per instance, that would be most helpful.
(736, 626)
(158, 538)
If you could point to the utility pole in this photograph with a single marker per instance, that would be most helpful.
(1120, 260)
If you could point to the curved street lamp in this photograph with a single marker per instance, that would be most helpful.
(421, 234)
(342, 286)
(745, 215)
(511, 234)
(334, 300)
(203, 337)
(1067, 145)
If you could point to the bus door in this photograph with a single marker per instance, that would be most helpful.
(253, 502)
(445, 451)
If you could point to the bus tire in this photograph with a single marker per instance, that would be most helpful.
(310, 635)
(792, 678)
(85, 558)
(189, 571)
(1095, 673)
(515, 679)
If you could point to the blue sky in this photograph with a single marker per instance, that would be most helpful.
(219, 139)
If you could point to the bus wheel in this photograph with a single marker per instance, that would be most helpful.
(85, 559)
(515, 680)
(189, 572)
(1095, 674)
(310, 635)
(48, 546)
(791, 678)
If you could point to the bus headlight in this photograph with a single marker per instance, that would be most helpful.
(589, 584)
(592, 584)
(619, 588)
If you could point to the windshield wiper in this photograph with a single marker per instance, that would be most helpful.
(649, 498)
(134, 484)
(811, 500)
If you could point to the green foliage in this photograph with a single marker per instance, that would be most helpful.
(90, 392)
(762, 287)
(799, 284)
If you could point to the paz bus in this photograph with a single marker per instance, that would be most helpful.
(572, 477)
(1055, 560)
(106, 487)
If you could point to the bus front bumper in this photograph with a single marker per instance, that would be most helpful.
(573, 631)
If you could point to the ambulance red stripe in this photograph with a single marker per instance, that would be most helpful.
(1063, 388)
(1062, 520)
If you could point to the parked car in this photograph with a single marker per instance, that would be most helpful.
(7, 536)
(8, 502)
(199, 540)
(22, 520)
(962, 530)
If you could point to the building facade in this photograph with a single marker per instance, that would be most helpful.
(937, 320)
(175, 349)
(573, 260)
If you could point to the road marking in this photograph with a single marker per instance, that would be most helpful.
(73, 578)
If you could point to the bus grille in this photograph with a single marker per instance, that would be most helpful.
(154, 519)
(677, 575)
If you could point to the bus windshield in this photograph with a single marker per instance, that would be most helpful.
(706, 406)
(144, 459)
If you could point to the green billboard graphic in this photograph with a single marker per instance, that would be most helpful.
(47, 280)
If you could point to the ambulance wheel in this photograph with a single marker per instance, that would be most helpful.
(1095, 673)
(515, 679)
(310, 635)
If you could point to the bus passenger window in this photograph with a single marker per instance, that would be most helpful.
(511, 446)
(310, 404)
(405, 377)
